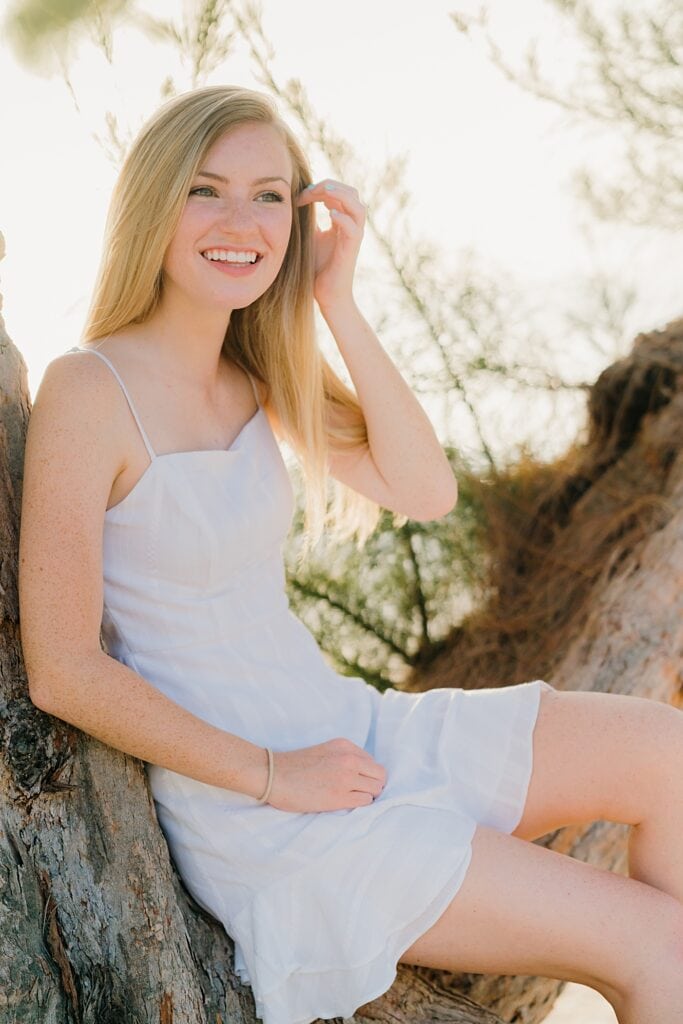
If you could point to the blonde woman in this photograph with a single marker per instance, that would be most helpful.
(333, 830)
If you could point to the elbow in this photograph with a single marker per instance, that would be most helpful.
(442, 497)
(39, 694)
(45, 681)
(46, 700)
(443, 503)
(54, 677)
(37, 675)
(450, 497)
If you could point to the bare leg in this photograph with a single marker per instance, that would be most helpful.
(523, 909)
(610, 757)
(656, 841)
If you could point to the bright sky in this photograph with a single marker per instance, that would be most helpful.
(489, 166)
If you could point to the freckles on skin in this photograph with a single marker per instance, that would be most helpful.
(228, 206)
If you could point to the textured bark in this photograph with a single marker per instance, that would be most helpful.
(95, 924)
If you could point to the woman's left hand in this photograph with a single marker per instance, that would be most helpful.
(336, 249)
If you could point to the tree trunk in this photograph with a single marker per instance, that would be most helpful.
(95, 925)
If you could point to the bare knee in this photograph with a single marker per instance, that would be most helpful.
(667, 748)
(601, 756)
(653, 985)
(658, 759)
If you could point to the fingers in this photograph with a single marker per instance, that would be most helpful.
(376, 772)
(376, 781)
(337, 197)
(365, 774)
(373, 788)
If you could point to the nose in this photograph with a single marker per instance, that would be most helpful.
(236, 214)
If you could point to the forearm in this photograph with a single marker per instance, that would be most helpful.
(402, 440)
(111, 702)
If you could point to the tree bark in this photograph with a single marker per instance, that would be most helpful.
(95, 924)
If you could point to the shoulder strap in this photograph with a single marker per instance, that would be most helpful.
(148, 446)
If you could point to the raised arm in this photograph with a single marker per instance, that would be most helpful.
(404, 467)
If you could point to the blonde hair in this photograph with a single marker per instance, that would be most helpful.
(274, 337)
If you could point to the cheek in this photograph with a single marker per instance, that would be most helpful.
(174, 247)
(194, 222)
(172, 264)
(285, 237)
(181, 249)
(282, 230)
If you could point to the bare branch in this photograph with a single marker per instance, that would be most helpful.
(632, 81)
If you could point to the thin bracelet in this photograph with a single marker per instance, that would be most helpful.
(263, 799)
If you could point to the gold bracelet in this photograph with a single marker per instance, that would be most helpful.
(263, 799)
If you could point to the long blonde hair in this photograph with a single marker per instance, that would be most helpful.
(274, 337)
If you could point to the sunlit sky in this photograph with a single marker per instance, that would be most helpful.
(489, 166)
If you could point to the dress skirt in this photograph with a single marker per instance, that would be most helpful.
(322, 905)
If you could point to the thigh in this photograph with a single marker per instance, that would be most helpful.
(525, 909)
(599, 756)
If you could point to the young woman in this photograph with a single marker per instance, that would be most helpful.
(333, 830)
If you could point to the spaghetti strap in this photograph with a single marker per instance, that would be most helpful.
(148, 446)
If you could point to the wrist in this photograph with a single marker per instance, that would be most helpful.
(340, 308)
(263, 796)
(254, 771)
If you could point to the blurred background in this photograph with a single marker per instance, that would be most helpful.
(521, 164)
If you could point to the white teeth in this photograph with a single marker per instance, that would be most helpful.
(227, 256)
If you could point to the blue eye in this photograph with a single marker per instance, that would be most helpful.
(275, 196)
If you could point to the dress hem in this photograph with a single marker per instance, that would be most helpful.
(417, 927)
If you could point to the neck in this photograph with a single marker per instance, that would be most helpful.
(188, 339)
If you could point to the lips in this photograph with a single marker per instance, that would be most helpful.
(230, 269)
(234, 263)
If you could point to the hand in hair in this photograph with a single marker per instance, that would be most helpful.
(336, 249)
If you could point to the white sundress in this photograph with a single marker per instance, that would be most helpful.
(320, 905)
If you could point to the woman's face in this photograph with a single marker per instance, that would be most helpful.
(238, 203)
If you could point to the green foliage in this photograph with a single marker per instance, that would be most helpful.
(377, 610)
(41, 29)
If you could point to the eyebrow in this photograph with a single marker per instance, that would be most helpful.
(257, 181)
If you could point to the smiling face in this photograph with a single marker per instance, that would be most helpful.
(238, 204)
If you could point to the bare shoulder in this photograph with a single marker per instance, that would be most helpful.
(75, 446)
(77, 412)
(73, 454)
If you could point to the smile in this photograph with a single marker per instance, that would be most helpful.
(232, 256)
